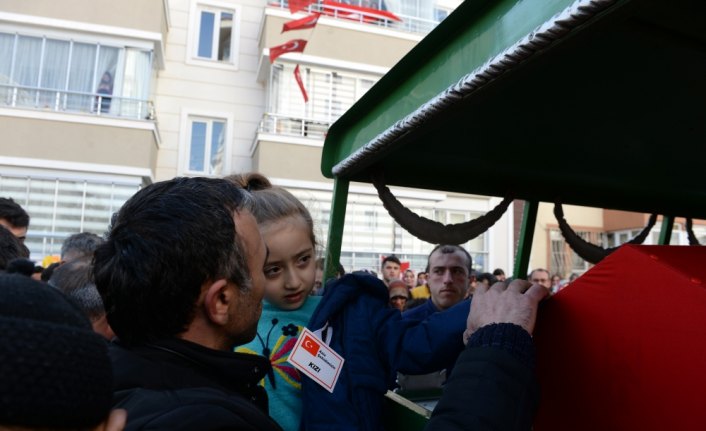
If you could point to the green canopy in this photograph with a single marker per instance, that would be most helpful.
(599, 103)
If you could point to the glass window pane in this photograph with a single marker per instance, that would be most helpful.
(217, 139)
(225, 36)
(7, 43)
(205, 47)
(197, 149)
(56, 60)
(29, 51)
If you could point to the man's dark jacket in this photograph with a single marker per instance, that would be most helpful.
(178, 385)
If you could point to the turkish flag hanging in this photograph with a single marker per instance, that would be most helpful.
(298, 77)
(294, 45)
(302, 23)
(297, 5)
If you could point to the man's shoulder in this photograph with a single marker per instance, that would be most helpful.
(421, 312)
(190, 409)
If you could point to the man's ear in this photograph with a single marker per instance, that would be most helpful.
(218, 299)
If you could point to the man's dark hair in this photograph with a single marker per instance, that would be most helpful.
(390, 258)
(498, 271)
(75, 280)
(167, 241)
(10, 248)
(448, 248)
(83, 244)
(13, 213)
(487, 276)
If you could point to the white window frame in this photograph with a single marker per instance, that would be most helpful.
(187, 117)
(197, 6)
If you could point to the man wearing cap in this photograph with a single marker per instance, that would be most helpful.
(55, 371)
(399, 294)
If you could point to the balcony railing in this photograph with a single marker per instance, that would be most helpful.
(408, 23)
(278, 124)
(103, 105)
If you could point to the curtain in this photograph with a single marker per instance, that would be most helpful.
(81, 71)
(136, 82)
(7, 43)
(54, 72)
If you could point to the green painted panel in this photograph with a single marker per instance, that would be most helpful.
(473, 33)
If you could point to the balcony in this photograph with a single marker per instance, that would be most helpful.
(407, 23)
(17, 96)
(285, 125)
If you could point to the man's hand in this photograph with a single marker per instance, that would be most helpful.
(515, 302)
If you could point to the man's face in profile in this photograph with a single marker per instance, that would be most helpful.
(19, 232)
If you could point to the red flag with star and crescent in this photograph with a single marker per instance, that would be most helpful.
(308, 21)
(298, 77)
(294, 45)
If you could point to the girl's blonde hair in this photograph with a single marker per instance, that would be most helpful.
(272, 203)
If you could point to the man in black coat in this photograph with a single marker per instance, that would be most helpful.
(181, 277)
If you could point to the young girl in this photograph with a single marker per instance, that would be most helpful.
(373, 338)
(288, 231)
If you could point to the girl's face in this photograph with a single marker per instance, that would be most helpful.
(291, 264)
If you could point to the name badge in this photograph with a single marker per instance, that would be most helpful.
(316, 359)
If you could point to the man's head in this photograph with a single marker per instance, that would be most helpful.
(55, 370)
(75, 280)
(449, 269)
(540, 276)
(14, 218)
(10, 248)
(499, 274)
(79, 246)
(390, 268)
(183, 258)
(399, 293)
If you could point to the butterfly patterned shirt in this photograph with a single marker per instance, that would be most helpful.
(277, 333)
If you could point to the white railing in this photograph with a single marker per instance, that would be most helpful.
(18, 96)
(408, 23)
(279, 124)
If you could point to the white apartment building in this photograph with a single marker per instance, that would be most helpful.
(98, 98)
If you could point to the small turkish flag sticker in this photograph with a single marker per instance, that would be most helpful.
(310, 345)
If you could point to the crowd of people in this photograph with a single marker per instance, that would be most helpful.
(184, 315)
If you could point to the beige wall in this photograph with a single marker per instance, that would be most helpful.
(145, 15)
(301, 162)
(338, 43)
(618, 220)
(579, 218)
(77, 142)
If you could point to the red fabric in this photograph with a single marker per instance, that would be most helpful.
(308, 21)
(297, 5)
(298, 77)
(344, 10)
(624, 346)
(294, 45)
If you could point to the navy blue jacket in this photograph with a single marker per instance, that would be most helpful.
(375, 341)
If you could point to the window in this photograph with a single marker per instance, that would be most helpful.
(205, 149)
(69, 75)
(59, 207)
(214, 34)
(331, 94)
